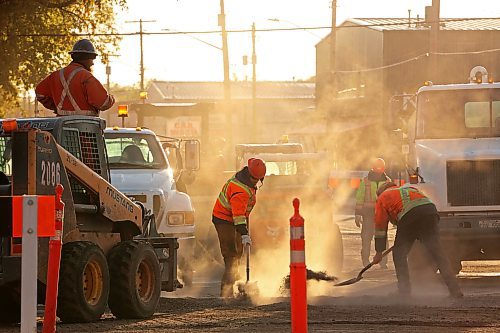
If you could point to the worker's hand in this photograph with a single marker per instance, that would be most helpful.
(246, 240)
(377, 258)
(358, 219)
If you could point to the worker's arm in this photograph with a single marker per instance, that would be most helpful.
(239, 202)
(97, 95)
(43, 94)
(381, 224)
(360, 198)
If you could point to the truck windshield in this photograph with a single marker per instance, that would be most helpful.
(461, 113)
(5, 155)
(134, 151)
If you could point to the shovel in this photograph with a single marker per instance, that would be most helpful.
(248, 288)
(360, 275)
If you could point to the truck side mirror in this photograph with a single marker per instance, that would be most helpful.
(192, 155)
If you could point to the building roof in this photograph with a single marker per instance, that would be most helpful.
(166, 90)
(459, 24)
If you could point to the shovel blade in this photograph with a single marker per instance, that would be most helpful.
(348, 282)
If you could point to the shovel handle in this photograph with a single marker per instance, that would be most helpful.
(367, 267)
(248, 262)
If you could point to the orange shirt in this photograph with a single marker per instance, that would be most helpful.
(87, 92)
(235, 202)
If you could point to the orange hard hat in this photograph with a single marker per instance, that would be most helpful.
(257, 168)
(378, 165)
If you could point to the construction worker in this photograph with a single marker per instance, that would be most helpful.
(416, 217)
(366, 195)
(73, 90)
(230, 217)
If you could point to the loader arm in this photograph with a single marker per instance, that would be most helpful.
(112, 203)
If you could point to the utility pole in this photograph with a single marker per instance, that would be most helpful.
(333, 42)
(227, 83)
(141, 33)
(433, 43)
(254, 87)
(105, 60)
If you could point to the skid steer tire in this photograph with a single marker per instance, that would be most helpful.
(83, 283)
(10, 306)
(135, 280)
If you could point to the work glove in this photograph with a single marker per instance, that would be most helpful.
(358, 219)
(246, 240)
(377, 258)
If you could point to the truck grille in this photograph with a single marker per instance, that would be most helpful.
(473, 183)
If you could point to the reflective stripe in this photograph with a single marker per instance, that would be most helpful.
(239, 220)
(380, 233)
(79, 113)
(409, 204)
(297, 257)
(65, 92)
(296, 232)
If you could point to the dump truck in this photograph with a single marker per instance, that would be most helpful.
(451, 147)
(141, 169)
(112, 254)
(292, 173)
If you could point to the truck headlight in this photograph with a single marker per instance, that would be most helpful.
(180, 218)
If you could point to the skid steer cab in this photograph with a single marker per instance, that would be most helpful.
(112, 253)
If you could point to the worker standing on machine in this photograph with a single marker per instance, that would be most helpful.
(73, 90)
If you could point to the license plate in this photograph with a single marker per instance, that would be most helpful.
(489, 224)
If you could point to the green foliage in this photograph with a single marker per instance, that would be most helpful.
(36, 35)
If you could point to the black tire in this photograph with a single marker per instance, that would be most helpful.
(135, 280)
(10, 306)
(83, 283)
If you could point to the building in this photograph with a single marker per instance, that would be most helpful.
(199, 107)
(377, 58)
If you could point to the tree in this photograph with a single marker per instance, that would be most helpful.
(36, 35)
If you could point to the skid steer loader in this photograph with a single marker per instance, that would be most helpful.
(112, 254)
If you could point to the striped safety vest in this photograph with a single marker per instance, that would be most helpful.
(235, 202)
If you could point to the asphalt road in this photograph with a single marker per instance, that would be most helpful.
(366, 306)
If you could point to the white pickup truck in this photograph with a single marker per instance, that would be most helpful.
(140, 168)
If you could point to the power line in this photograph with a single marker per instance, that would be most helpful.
(423, 55)
(422, 23)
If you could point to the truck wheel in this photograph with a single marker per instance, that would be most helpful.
(10, 306)
(83, 283)
(135, 280)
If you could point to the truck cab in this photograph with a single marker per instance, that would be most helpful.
(453, 155)
(140, 169)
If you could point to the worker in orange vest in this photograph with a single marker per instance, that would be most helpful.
(73, 90)
(416, 217)
(364, 212)
(230, 217)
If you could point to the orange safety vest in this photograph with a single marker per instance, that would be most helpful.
(73, 90)
(235, 202)
(393, 204)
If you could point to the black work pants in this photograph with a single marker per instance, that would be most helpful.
(231, 250)
(420, 223)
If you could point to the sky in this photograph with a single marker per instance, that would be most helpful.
(284, 55)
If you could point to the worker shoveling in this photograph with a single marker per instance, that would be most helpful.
(360, 275)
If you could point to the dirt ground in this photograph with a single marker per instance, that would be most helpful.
(366, 306)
